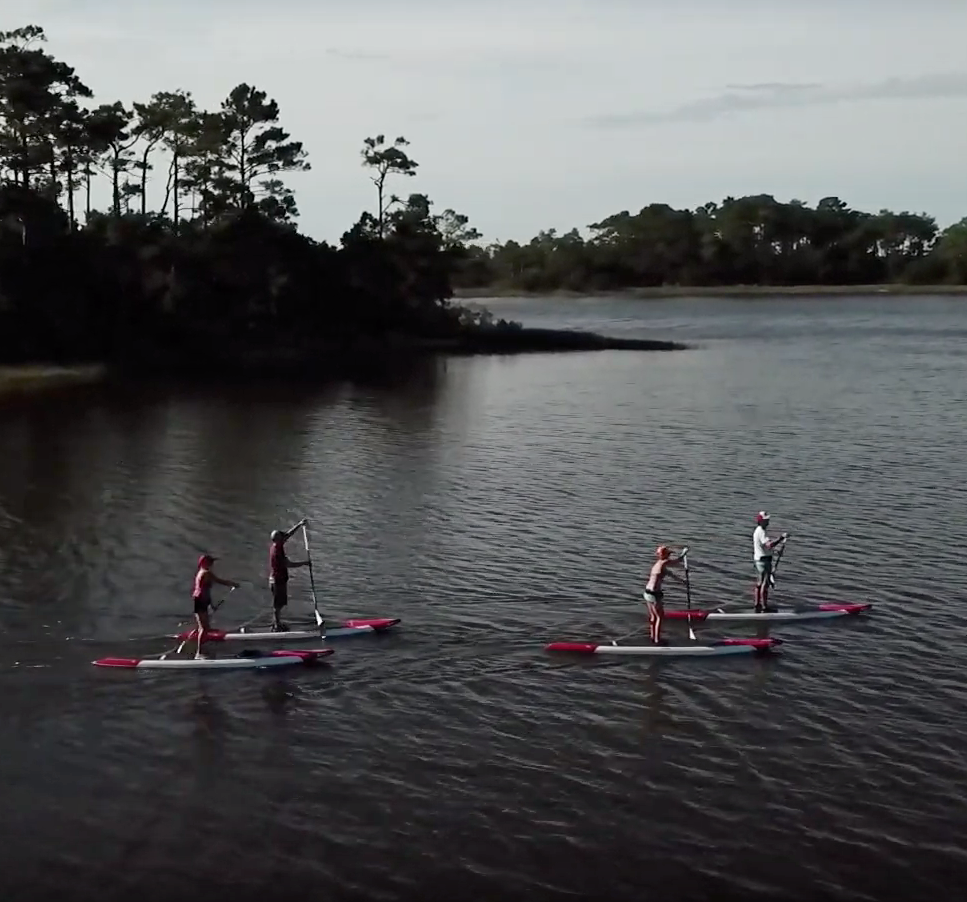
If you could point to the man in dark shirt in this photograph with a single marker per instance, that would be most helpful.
(279, 566)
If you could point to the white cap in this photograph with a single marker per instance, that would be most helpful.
(763, 515)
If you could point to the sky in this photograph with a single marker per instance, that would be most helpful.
(538, 114)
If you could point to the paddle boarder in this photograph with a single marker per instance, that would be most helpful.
(665, 559)
(279, 566)
(201, 596)
(762, 548)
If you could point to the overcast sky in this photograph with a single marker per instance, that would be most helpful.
(557, 113)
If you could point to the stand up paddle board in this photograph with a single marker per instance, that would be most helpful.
(342, 630)
(806, 612)
(700, 650)
(252, 660)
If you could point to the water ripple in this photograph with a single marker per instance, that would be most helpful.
(496, 504)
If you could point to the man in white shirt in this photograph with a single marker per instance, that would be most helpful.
(762, 548)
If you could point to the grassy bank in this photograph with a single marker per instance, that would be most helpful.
(723, 291)
(33, 378)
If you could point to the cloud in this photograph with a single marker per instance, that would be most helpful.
(777, 86)
(786, 95)
(361, 55)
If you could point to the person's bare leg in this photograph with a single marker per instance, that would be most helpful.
(202, 625)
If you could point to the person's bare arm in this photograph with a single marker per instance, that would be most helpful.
(289, 533)
(774, 543)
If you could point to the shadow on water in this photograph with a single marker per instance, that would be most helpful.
(656, 718)
(280, 696)
(211, 724)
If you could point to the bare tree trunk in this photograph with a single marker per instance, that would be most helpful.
(175, 189)
(69, 171)
(116, 183)
(87, 192)
(144, 180)
(168, 187)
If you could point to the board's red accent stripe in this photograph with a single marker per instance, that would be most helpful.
(585, 647)
(307, 654)
(847, 608)
(210, 635)
(380, 623)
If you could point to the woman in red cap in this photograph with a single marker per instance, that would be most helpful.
(205, 578)
(653, 591)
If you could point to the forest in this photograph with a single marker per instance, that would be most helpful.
(220, 273)
(741, 241)
(216, 273)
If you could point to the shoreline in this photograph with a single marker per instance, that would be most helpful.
(720, 291)
(316, 364)
(32, 378)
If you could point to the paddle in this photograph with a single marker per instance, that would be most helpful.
(775, 566)
(312, 581)
(215, 607)
(688, 596)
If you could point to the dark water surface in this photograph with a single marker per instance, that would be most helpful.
(496, 504)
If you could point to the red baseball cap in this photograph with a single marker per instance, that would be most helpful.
(206, 559)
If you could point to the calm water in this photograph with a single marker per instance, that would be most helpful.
(496, 504)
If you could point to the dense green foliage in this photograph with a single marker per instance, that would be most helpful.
(216, 271)
(220, 270)
(742, 241)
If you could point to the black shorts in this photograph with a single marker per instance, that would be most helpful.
(201, 605)
(280, 594)
(654, 598)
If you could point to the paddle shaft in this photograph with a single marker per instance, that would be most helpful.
(312, 580)
(688, 596)
(775, 566)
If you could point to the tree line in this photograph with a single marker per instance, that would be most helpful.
(198, 260)
(754, 240)
(217, 266)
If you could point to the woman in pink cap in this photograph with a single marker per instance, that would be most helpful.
(205, 578)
